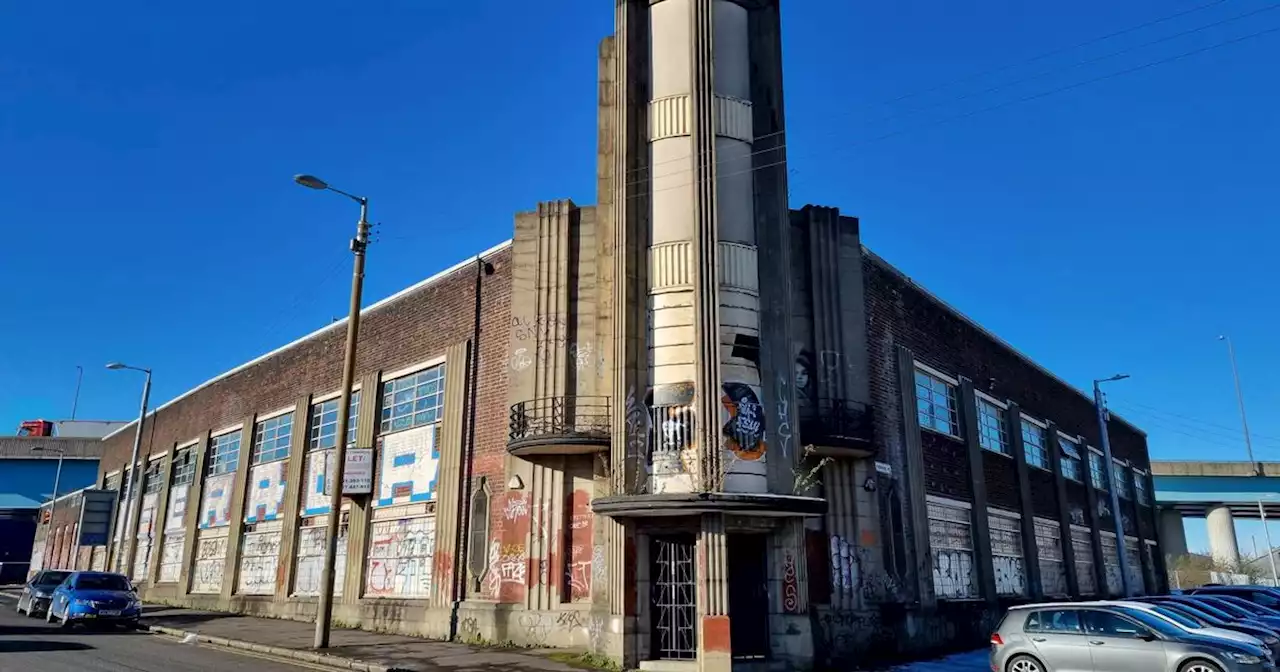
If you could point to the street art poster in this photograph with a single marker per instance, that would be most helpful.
(400, 557)
(315, 500)
(215, 509)
(407, 466)
(175, 517)
(744, 427)
(265, 499)
(259, 557)
(145, 535)
(310, 568)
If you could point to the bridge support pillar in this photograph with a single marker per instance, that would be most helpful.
(1173, 535)
(1222, 536)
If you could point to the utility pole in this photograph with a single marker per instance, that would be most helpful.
(358, 246)
(135, 475)
(1100, 405)
(1244, 421)
(53, 504)
(1271, 554)
(75, 401)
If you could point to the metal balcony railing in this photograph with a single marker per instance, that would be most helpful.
(569, 419)
(837, 423)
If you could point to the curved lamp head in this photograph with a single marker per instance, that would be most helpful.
(310, 181)
(116, 366)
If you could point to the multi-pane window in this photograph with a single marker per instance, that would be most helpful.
(936, 404)
(1140, 488)
(1122, 483)
(1070, 458)
(184, 467)
(271, 439)
(413, 400)
(1097, 471)
(324, 423)
(224, 453)
(993, 434)
(154, 477)
(951, 540)
(1033, 445)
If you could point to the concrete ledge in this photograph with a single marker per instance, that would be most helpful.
(684, 504)
(335, 662)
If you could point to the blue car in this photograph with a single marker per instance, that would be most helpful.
(94, 597)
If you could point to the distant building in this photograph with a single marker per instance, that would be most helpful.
(27, 477)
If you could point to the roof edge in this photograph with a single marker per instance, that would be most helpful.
(989, 334)
(329, 327)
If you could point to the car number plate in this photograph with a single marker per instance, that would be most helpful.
(109, 612)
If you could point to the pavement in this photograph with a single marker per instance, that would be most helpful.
(973, 661)
(291, 640)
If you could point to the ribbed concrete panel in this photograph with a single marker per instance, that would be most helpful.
(738, 267)
(733, 118)
(669, 117)
(671, 266)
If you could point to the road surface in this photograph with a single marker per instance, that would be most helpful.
(31, 645)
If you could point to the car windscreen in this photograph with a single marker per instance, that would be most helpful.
(1153, 622)
(1230, 609)
(1192, 612)
(1207, 608)
(101, 582)
(51, 579)
(1251, 607)
(1177, 617)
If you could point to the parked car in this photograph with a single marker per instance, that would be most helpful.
(94, 597)
(1263, 595)
(1246, 604)
(36, 593)
(1210, 615)
(1105, 637)
(1186, 623)
(1223, 603)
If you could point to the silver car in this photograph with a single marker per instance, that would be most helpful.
(34, 599)
(1098, 637)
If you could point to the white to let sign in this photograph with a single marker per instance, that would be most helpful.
(357, 476)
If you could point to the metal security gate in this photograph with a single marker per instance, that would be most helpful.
(748, 596)
(672, 600)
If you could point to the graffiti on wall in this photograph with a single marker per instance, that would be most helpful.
(211, 556)
(215, 507)
(259, 558)
(310, 567)
(744, 426)
(579, 535)
(790, 586)
(175, 516)
(400, 557)
(953, 574)
(508, 556)
(804, 375)
(171, 558)
(1010, 575)
(844, 574)
(408, 463)
(265, 500)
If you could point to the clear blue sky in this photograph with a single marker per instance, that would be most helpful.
(1120, 225)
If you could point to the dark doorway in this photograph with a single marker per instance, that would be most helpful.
(672, 599)
(748, 596)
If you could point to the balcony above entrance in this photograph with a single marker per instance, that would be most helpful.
(692, 503)
(837, 428)
(559, 426)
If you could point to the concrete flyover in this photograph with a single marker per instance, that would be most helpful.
(1217, 491)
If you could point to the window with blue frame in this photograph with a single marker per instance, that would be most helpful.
(271, 439)
(936, 404)
(324, 423)
(992, 432)
(1033, 445)
(1071, 459)
(224, 453)
(1097, 471)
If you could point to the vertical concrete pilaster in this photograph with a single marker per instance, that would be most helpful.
(715, 649)
(1030, 554)
(980, 517)
(841, 488)
(292, 498)
(235, 530)
(919, 572)
(362, 505)
(1064, 508)
(1222, 535)
(451, 490)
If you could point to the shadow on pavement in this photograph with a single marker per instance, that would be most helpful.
(39, 646)
(80, 629)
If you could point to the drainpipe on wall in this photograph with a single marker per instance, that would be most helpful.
(463, 529)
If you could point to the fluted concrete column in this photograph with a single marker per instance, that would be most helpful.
(1173, 533)
(715, 651)
(1222, 536)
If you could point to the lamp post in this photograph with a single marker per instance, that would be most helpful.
(1101, 407)
(358, 246)
(131, 487)
(53, 505)
(1248, 448)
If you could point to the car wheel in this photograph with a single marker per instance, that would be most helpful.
(1199, 666)
(19, 607)
(48, 615)
(1027, 664)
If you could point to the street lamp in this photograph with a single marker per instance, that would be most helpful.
(132, 485)
(1101, 407)
(1248, 447)
(358, 246)
(53, 505)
